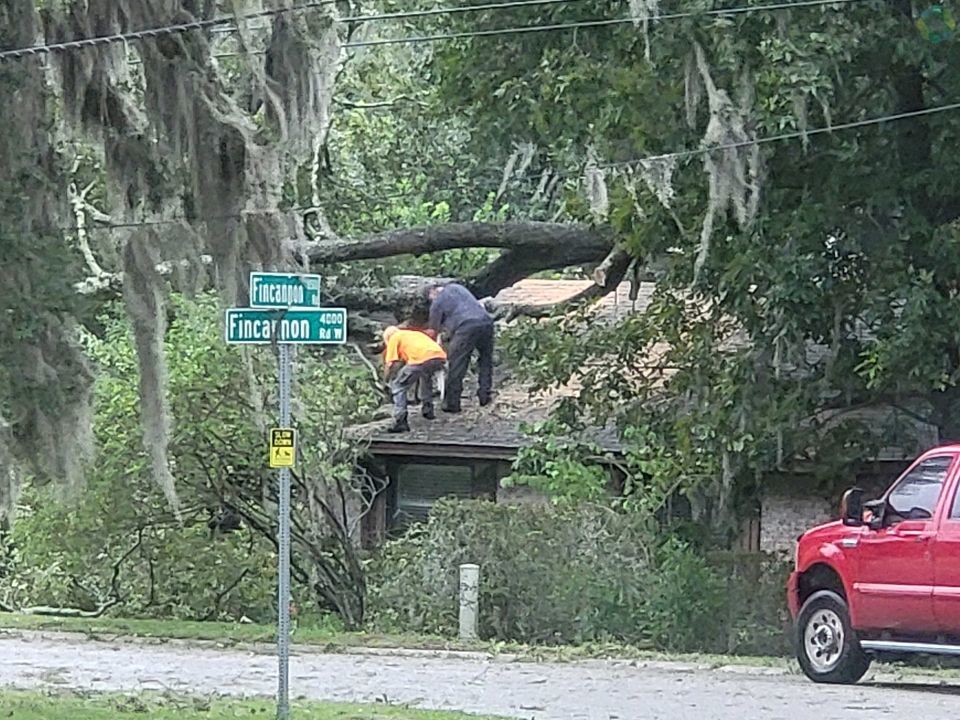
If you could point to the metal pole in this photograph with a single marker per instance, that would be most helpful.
(283, 595)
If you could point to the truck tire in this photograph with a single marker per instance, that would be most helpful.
(826, 643)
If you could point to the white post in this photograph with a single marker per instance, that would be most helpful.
(469, 601)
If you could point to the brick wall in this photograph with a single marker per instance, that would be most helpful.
(793, 504)
(784, 517)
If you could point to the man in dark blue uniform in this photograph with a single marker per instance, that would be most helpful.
(466, 326)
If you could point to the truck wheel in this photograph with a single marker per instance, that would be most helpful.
(827, 646)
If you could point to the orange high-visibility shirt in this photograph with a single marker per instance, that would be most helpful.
(413, 347)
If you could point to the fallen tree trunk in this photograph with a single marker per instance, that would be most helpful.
(528, 248)
(570, 243)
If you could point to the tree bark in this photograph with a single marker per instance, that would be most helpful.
(572, 244)
(529, 248)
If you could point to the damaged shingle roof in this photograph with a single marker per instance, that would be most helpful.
(495, 431)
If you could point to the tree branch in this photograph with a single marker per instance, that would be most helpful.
(576, 241)
(351, 105)
(223, 593)
(606, 278)
(113, 599)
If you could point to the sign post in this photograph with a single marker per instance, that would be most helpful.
(284, 311)
(283, 582)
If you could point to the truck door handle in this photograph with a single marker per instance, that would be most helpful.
(917, 536)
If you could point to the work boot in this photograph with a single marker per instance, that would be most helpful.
(428, 413)
(400, 425)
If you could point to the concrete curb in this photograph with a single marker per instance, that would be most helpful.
(258, 648)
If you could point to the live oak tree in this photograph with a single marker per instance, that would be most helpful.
(793, 277)
(796, 277)
(141, 168)
(797, 280)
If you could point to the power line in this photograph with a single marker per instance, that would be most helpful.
(181, 219)
(414, 14)
(524, 29)
(624, 163)
(604, 22)
(231, 23)
(444, 11)
(786, 136)
(149, 33)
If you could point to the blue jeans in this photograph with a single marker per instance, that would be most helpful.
(409, 376)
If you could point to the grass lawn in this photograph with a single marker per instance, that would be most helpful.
(223, 632)
(330, 639)
(33, 706)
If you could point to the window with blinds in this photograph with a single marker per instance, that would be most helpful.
(418, 485)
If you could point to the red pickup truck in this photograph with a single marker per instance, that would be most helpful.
(885, 578)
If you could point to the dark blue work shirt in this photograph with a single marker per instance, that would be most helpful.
(456, 306)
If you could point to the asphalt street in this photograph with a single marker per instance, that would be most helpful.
(593, 690)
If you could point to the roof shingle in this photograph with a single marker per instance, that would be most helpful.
(496, 431)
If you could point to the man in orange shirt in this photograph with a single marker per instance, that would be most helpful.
(422, 358)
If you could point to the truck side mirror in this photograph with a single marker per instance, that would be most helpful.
(851, 507)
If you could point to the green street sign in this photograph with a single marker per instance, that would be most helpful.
(284, 290)
(319, 326)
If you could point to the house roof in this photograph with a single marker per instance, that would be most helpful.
(496, 431)
(614, 306)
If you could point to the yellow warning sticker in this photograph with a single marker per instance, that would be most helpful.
(283, 447)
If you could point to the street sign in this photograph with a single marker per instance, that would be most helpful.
(318, 326)
(285, 310)
(284, 290)
(283, 447)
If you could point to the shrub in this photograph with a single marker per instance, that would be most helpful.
(62, 549)
(754, 588)
(575, 575)
(684, 605)
(548, 575)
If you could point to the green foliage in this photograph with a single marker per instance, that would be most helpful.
(684, 600)
(67, 546)
(755, 616)
(546, 576)
(571, 575)
(566, 470)
(843, 292)
(64, 549)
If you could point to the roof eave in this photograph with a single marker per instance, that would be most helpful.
(394, 448)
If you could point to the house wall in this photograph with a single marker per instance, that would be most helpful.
(784, 517)
(792, 504)
(416, 482)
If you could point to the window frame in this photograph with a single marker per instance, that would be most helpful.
(485, 476)
(951, 459)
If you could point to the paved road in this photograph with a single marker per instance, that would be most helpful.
(585, 691)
